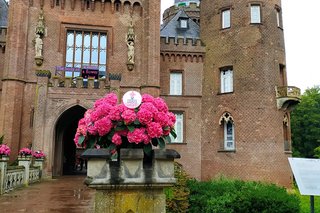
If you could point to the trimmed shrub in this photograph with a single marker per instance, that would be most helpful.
(235, 196)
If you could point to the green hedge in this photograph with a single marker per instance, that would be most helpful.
(235, 196)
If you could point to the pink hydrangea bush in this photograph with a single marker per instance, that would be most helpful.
(25, 152)
(111, 125)
(4, 150)
(38, 154)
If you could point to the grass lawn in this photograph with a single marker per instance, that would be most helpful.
(305, 204)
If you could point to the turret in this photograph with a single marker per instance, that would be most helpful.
(245, 62)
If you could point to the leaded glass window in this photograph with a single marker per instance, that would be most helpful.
(85, 48)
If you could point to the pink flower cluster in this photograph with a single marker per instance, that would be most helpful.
(108, 120)
(25, 152)
(4, 150)
(38, 154)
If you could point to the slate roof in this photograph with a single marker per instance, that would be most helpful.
(4, 8)
(172, 29)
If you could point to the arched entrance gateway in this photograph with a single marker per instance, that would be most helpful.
(65, 152)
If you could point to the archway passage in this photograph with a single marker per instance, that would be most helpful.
(66, 157)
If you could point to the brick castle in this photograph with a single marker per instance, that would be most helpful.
(221, 71)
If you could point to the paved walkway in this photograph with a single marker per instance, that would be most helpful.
(67, 194)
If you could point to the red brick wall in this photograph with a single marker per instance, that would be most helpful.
(255, 52)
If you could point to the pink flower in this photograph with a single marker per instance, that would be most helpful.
(123, 133)
(25, 151)
(154, 130)
(38, 154)
(160, 104)
(92, 129)
(144, 116)
(162, 118)
(103, 126)
(115, 113)
(149, 107)
(147, 98)
(116, 139)
(137, 136)
(172, 119)
(129, 116)
(111, 99)
(4, 150)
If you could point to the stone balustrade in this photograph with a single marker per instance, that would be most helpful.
(12, 177)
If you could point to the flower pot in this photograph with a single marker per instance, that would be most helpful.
(131, 165)
(4, 158)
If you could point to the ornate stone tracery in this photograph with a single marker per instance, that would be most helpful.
(130, 39)
(226, 117)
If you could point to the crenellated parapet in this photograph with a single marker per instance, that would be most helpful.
(182, 49)
(133, 6)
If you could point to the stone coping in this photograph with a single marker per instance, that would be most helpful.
(96, 153)
(166, 154)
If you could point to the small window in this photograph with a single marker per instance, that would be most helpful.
(255, 14)
(178, 126)
(175, 83)
(227, 127)
(57, 2)
(229, 136)
(183, 23)
(226, 19)
(226, 77)
(279, 17)
(286, 133)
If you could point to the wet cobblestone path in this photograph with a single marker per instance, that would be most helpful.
(66, 194)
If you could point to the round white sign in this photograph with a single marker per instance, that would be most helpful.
(132, 99)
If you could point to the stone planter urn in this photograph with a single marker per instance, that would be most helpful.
(38, 162)
(134, 183)
(3, 170)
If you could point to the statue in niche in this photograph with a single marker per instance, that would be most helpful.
(130, 40)
(38, 46)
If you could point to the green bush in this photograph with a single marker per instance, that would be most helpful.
(177, 195)
(235, 196)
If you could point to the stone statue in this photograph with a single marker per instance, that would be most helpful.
(38, 45)
(130, 45)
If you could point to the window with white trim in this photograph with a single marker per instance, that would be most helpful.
(226, 18)
(175, 83)
(178, 126)
(227, 123)
(183, 23)
(86, 48)
(255, 10)
(226, 78)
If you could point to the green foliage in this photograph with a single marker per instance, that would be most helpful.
(305, 124)
(177, 195)
(234, 196)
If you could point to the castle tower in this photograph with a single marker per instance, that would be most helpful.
(190, 7)
(246, 131)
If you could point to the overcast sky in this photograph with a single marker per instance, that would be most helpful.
(302, 38)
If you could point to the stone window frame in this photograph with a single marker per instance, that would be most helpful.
(222, 11)
(85, 27)
(279, 16)
(224, 69)
(256, 3)
(183, 127)
(182, 82)
(223, 121)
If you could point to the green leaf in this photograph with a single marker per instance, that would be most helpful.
(173, 133)
(154, 142)
(81, 139)
(161, 143)
(130, 128)
(147, 149)
(120, 128)
(112, 147)
(92, 142)
(137, 122)
(167, 139)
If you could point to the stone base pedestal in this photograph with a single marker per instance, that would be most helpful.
(131, 199)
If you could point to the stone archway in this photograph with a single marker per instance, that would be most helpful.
(65, 149)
